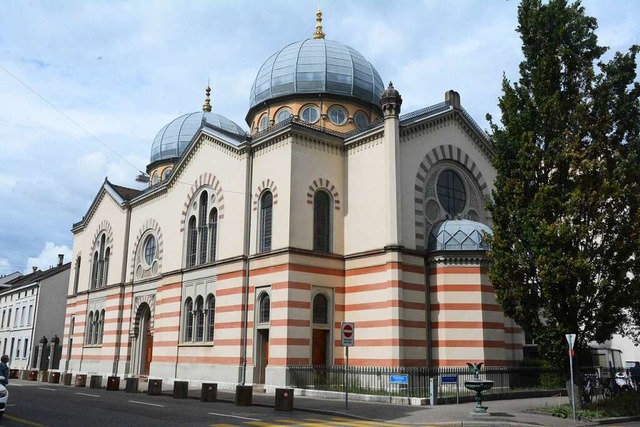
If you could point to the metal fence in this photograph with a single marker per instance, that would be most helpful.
(450, 380)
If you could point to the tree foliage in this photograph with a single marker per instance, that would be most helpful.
(567, 195)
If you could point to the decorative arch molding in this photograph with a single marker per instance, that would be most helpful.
(206, 180)
(323, 183)
(267, 184)
(139, 304)
(150, 225)
(452, 155)
(103, 227)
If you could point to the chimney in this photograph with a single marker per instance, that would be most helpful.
(34, 268)
(60, 259)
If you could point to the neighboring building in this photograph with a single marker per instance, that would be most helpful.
(248, 250)
(5, 278)
(32, 307)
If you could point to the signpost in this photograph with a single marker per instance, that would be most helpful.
(452, 379)
(348, 340)
(571, 338)
(400, 379)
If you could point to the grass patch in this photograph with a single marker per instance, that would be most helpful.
(622, 405)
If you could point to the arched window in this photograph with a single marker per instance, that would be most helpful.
(202, 225)
(101, 262)
(192, 242)
(188, 320)
(76, 278)
(105, 274)
(266, 218)
(89, 327)
(101, 327)
(320, 309)
(211, 316)
(199, 319)
(94, 271)
(265, 308)
(451, 192)
(321, 222)
(213, 227)
(264, 122)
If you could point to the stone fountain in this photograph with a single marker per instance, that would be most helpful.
(478, 385)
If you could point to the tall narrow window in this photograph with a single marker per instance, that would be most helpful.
(101, 327)
(213, 227)
(105, 275)
(23, 319)
(320, 309)
(9, 319)
(76, 279)
(94, 271)
(30, 316)
(202, 227)
(192, 243)
(266, 207)
(265, 308)
(101, 262)
(211, 316)
(4, 313)
(188, 320)
(26, 346)
(18, 349)
(321, 222)
(199, 319)
(90, 329)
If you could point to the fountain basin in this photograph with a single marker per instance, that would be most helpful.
(479, 386)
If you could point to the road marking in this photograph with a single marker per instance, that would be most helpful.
(45, 388)
(145, 403)
(87, 394)
(234, 416)
(22, 421)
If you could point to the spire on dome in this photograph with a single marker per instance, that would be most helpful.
(319, 34)
(206, 107)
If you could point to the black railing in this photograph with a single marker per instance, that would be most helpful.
(450, 380)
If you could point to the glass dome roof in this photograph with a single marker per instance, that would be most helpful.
(172, 139)
(317, 66)
(459, 235)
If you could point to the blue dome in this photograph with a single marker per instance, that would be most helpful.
(459, 235)
(317, 66)
(172, 139)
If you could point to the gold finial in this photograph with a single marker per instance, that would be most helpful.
(318, 34)
(206, 107)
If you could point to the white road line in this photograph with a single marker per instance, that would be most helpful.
(86, 394)
(234, 416)
(145, 403)
(45, 388)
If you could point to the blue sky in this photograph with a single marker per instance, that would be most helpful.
(86, 85)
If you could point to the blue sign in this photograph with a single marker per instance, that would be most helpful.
(399, 379)
(449, 379)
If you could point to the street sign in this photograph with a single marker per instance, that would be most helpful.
(449, 379)
(348, 334)
(571, 339)
(399, 379)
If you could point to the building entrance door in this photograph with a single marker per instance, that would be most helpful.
(319, 347)
(263, 354)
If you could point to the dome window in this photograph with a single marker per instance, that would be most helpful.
(310, 114)
(166, 173)
(361, 119)
(264, 122)
(451, 192)
(155, 178)
(338, 115)
(283, 115)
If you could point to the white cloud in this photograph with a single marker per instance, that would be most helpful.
(48, 257)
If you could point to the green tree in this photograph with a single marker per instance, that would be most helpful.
(566, 201)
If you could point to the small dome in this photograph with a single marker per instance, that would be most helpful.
(317, 66)
(459, 235)
(172, 139)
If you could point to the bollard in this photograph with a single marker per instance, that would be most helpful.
(180, 389)
(13, 373)
(24, 374)
(131, 385)
(244, 395)
(44, 376)
(113, 383)
(155, 388)
(284, 399)
(81, 380)
(33, 375)
(209, 392)
(66, 378)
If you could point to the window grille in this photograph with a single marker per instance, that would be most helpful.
(192, 244)
(265, 309)
(320, 309)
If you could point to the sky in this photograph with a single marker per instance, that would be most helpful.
(86, 85)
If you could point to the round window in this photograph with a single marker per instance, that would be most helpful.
(451, 193)
(361, 119)
(150, 249)
(283, 115)
(338, 115)
(166, 173)
(310, 114)
(264, 122)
